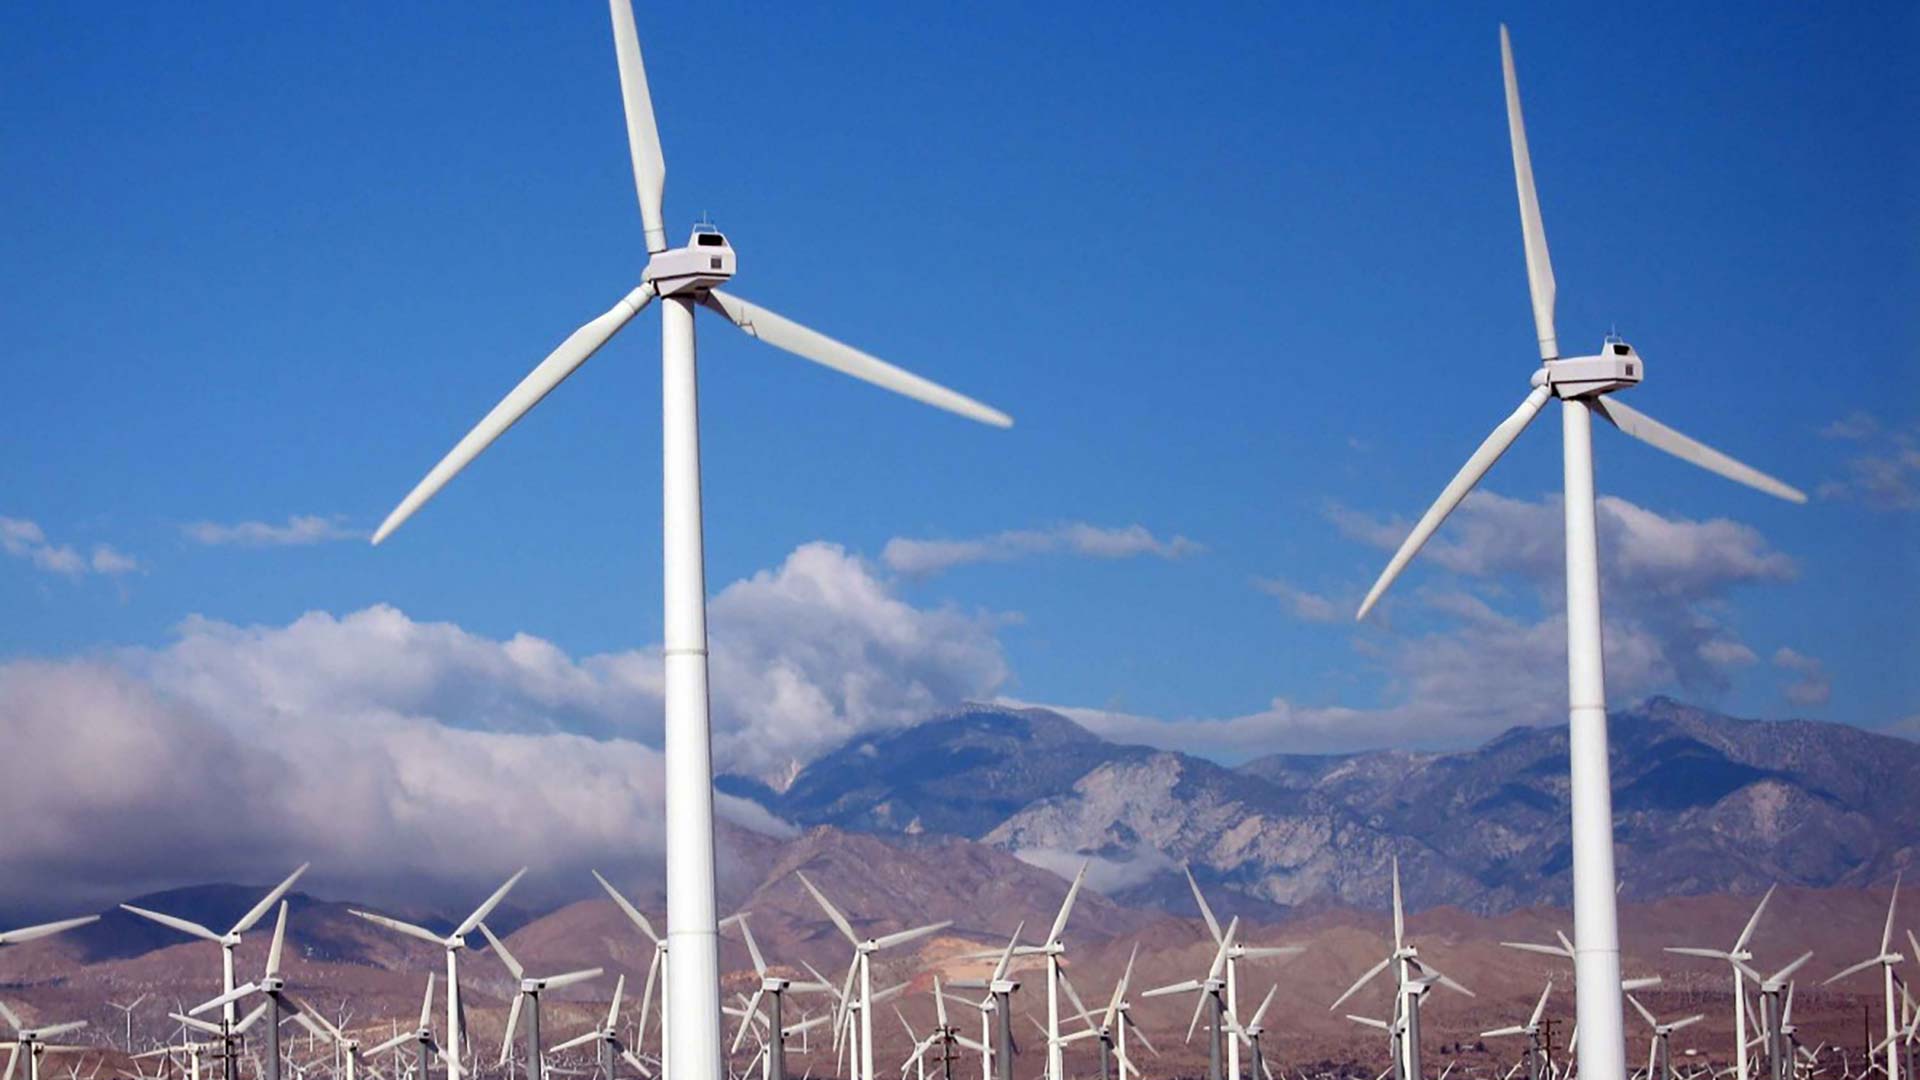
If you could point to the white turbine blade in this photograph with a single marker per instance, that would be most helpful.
(197, 1025)
(185, 926)
(639, 1066)
(888, 941)
(833, 913)
(939, 1005)
(613, 1007)
(279, 941)
(577, 1040)
(1886, 936)
(1261, 1012)
(251, 1018)
(783, 333)
(1746, 932)
(405, 1036)
(1498, 1033)
(492, 902)
(500, 950)
(1269, 952)
(753, 949)
(1226, 946)
(1694, 1019)
(646, 1001)
(406, 928)
(1463, 481)
(235, 994)
(1642, 1010)
(1661, 437)
(1176, 988)
(29, 933)
(643, 134)
(1687, 950)
(1199, 1002)
(1871, 961)
(1363, 980)
(1915, 942)
(1399, 913)
(561, 982)
(1006, 957)
(633, 913)
(1141, 1035)
(1066, 906)
(1782, 974)
(1206, 913)
(889, 993)
(13, 1058)
(1540, 1007)
(1545, 950)
(1370, 1022)
(1073, 996)
(266, 903)
(559, 364)
(1445, 980)
(513, 1023)
(426, 1006)
(1533, 231)
(753, 1007)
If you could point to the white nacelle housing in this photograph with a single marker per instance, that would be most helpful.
(705, 262)
(1616, 368)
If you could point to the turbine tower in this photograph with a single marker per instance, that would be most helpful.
(1884, 960)
(681, 278)
(1736, 958)
(452, 944)
(1582, 384)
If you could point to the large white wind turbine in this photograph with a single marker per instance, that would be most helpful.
(682, 278)
(1412, 978)
(1209, 990)
(31, 1042)
(1736, 958)
(996, 1010)
(527, 991)
(1536, 1048)
(659, 969)
(281, 1003)
(1660, 1050)
(773, 989)
(1241, 951)
(1888, 956)
(1053, 948)
(230, 940)
(1582, 384)
(863, 950)
(452, 943)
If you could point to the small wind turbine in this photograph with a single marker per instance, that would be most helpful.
(347, 1057)
(33, 1042)
(1659, 1051)
(1250, 1034)
(1772, 1016)
(1582, 384)
(1111, 1028)
(609, 1047)
(1735, 958)
(996, 1011)
(863, 950)
(228, 1034)
(682, 278)
(1053, 948)
(1888, 956)
(452, 944)
(425, 1045)
(1208, 991)
(274, 988)
(944, 1035)
(661, 966)
(127, 1009)
(773, 989)
(526, 997)
(1536, 1048)
(1241, 951)
(1412, 977)
(230, 940)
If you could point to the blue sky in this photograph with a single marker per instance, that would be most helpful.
(1245, 276)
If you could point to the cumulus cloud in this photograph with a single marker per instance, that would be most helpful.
(1106, 874)
(1811, 686)
(299, 530)
(410, 758)
(924, 558)
(1885, 473)
(23, 539)
(1300, 603)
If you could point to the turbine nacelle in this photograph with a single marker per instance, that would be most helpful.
(707, 261)
(1617, 367)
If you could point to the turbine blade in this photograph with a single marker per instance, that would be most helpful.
(1533, 231)
(1661, 437)
(1006, 957)
(1066, 906)
(561, 982)
(643, 134)
(613, 1007)
(1497, 1033)
(1206, 913)
(251, 1018)
(500, 950)
(1226, 946)
(646, 1000)
(784, 333)
(577, 1040)
(1399, 913)
(1545, 950)
(559, 364)
(513, 1023)
(638, 1065)
(633, 913)
(1261, 1012)
(1886, 936)
(486, 909)
(753, 1007)
(1188, 986)
(1540, 1007)
(1642, 1010)
(753, 949)
(1711, 954)
(1363, 980)
(235, 994)
(1463, 481)
(1694, 1019)
(404, 1036)
(29, 933)
(902, 937)
(426, 1006)
(279, 941)
(833, 913)
(185, 926)
(1746, 932)
(406, 928)
(259, 910)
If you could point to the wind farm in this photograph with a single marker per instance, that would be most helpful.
(912, 742)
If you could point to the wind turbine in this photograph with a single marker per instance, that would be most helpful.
(682, 278)
(607, 1036)
(1210, 990)
(1736, 958)
(1111, 1028)
(1885, 959)
(1536, 1049)
(1659, 1051)
(32, 1042)
(996, 1011)
(1240, 952)
(1053, 948)
(1582, 384)
(452, 944)
(863, 950)
(28, 933)
(1772, 987)
(773, 988)
(1250, 1034)
(230, 940)
(1412, 977)
(945, 1035)
(127, 1009)
(661, 965)
(274, 988)
(227, 1033)
(527, 997)
(349, 1057)
(425, 1045)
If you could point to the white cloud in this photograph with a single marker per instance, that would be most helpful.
(23, 539)
(1302, 604)
(1812, 686)
(300, 530)
(1105, 875)
(407, 758)
(1885, 474)
(924, 558)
